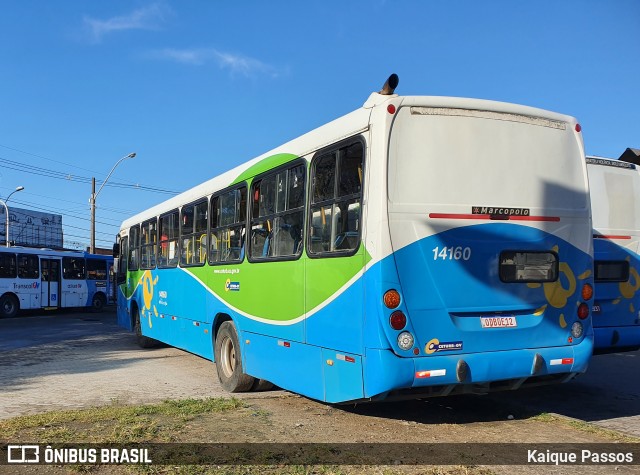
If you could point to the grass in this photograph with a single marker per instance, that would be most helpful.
(166, 422)
(114, 423)
(582, 426)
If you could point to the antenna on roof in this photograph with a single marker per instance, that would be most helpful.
(390, 85)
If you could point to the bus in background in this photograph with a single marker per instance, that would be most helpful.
(615, 190)
(48, 279)
(418, 246)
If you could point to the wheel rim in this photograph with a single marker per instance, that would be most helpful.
(228, 357)
(7, 306)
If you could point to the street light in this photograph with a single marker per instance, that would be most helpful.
(6, 210)
(92, 200)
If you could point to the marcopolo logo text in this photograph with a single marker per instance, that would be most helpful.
(500, 211)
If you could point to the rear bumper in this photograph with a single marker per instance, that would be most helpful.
(386, 374)
(613, 339)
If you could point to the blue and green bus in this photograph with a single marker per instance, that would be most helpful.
(615, 188)
(418, 246)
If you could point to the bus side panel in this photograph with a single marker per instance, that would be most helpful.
(337, 321)
(172, 309)
(266, 297)
(286, 363)
(74, 293)
(123, 308)
(342, 375)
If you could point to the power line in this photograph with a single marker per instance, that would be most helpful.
(46, 172)
(94, 173)
(82, 205)
(69, 215)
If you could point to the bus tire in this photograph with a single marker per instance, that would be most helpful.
(98, 303)
(229, 360)
(9, 306)
(143, 341)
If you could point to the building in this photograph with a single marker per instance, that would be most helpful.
(631, 155)
(32, 228)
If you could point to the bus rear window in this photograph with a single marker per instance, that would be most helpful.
(611, 271)
(457, 159)
(523, 266)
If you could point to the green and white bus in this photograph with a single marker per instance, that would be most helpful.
(418, 246)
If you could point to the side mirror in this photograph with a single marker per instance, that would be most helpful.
(116, 250)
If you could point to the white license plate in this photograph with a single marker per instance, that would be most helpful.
(498, 322)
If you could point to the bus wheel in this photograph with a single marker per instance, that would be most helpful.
(98, 303)
(9, 306)
(229, 360)
(143, 341)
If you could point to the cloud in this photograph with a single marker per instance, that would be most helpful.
(235, 63)
(147, 18)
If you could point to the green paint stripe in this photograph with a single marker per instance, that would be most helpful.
(265, 165)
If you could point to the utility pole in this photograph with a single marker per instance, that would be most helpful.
(92, 248)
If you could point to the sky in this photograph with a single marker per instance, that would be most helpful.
(197, 87)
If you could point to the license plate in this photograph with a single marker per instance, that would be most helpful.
(595, 309)
(498, 322)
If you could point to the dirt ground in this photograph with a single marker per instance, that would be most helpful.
(398, 429)
(454, 420)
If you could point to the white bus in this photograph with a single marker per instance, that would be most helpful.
(49, 279)
(615, 195)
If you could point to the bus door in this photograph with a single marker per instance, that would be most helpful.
(50, 272)
(120, 288)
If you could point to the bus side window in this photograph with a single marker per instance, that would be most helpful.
(73, 268)
(228, 215)
(96, 269)
(168, 243)
(28, 266)
(7, 265)
(335, 209)
(148, 244)
(278, 213)
(193, 231)
(134, 242)
(121, 275)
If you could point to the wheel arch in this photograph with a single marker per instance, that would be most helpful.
(134, 310)
(218, 320)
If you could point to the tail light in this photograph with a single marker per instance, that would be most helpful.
(391, 298)
(587, 292)
(583, 311)
(397, 320)
(405, 340)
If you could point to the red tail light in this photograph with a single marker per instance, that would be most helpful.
(583, 311)
(397, 320)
